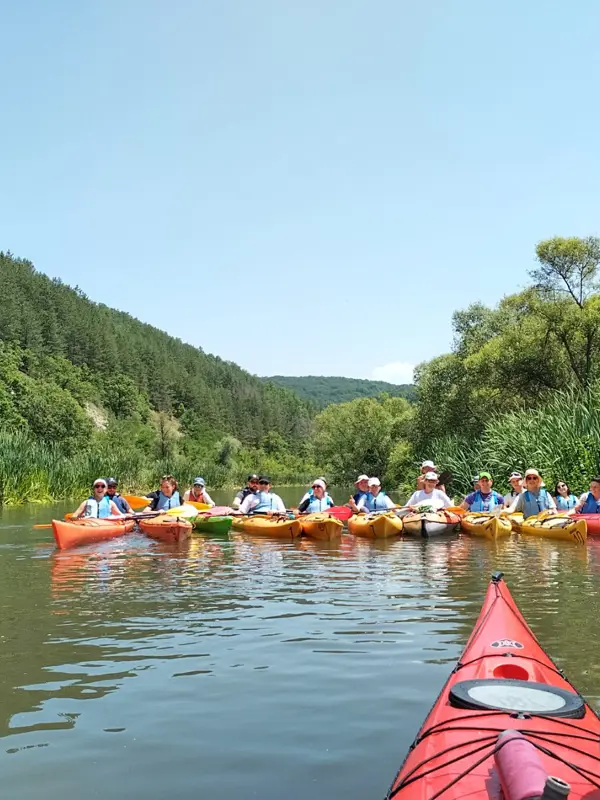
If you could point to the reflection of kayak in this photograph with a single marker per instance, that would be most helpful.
(488, 525)
(167, 528)
(213, 524)
(551, 526)
(321, 526)
(592, 522)
(375, 526)
(86, 531)
(278, 527)
(430, 523)
(504, 681)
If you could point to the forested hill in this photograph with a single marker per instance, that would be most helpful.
(323, 390)
(57, 336)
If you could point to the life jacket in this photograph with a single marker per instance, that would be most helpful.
(591, 505)
(566, 503)
(163, 502)
(359, 496)
(486, 504)
(265, 502)
(371, 504)
(195, 499)
(532, 505)
(119, 502)
(243, 494)
(319, 505)
(99, 510)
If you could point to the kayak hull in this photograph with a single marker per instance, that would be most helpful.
(489, 526)
(430, 524)
(321, 526)
(557, 527)
(375, 526)
(592, 522)
(166, 528)
(215, 525)
(86, 531)
(272, 527)
(453, 754)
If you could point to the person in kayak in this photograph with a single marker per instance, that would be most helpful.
(430, 495)
(484, 498)
(375, 499)
(310, 493)
(564, 498)
(516, 487)
(198, 493)
(120, 502)
(250, 488)
(98, 505)
(589, 502)
(426, 466)
(362, 489)
(535, 498)
(264, 501)
(318, 501)
(166, 497)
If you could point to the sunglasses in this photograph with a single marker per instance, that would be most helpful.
(99, 486)
(532, 478)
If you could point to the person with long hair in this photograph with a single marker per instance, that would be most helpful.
(166, 497)
(564, 498)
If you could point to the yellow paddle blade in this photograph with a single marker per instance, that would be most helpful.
(186, 511)
(198, 506)
(135, 501)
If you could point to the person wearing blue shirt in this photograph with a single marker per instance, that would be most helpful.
(589, 502)
(112, 494)
(563, 497)
(362, 490)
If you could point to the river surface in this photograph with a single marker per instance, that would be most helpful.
(237, 667)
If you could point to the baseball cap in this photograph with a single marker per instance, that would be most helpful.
(199, 482)
(264, 479)
(514, 475)
(475, 478)
(429, 464)
(253, 477)
(374, 482)
(111, 481)
(431, 476)
(361, 478)
(319, 482)
(485, 475)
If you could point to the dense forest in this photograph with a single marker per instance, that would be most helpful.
(323, 391)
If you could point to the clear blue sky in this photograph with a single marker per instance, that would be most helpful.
(300, 186)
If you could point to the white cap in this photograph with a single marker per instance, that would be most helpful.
(515, 475)
(431, 476)
(361, 478)
(319, 482)
(429, 464)
(374, 482)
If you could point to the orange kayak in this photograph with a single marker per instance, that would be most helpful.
(85, 531)
(506, 724)
(166, 527)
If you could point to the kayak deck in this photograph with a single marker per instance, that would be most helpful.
(490, 526)
(73, 533)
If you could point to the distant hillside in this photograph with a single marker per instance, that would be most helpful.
(323, 390)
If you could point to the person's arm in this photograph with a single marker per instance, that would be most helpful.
(551, 502)
(446, 502)
(516, 505)
(237, 500)
(330, 501)
(304, 505)
(153, 497)
(412, 501)
(248, 504)
(360, 506)
(208, 499)
(115, 510)
(186, 496)
(128, 508)
(389, 503)
(467, 502)
(79, 513)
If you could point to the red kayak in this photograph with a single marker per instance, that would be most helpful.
(592, 521)
(507, 724)
(73, 533)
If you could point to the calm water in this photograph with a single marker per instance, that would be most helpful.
(235, 667)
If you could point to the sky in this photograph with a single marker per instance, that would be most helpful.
(299, 186)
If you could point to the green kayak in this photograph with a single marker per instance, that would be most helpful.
(213, 524)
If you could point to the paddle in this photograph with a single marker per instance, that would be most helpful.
(145, 515)
(135, 501)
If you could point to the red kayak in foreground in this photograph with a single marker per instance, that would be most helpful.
(507, 724)
(592, 521)
(75, 532)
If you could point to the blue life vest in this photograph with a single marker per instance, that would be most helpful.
(319, 505)
(96, 509)
(567, 503)
(266, 502)
(119, 502)
(486, 504)
(532, 505)
(591, 505)
(371, 504)
(359, 496)
(165, 502)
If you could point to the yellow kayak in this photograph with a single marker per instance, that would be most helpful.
(375, 526)
(278, 527)
(489, 525)
(321, 526)
(555, 526)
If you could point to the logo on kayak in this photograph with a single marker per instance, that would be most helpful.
(510, 643)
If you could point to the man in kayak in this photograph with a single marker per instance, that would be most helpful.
(98, 504)
(166, 497)
(484, 498)
(375, 499)
(362, 489)
(535, 498)
(264, 501)
(429, 496)
(198, 493)
(120, 502)
(250, 487)
(516, 487)
(589, 502)
(319, 500)
(426, 466)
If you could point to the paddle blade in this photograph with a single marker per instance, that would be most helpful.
(199, 506)
(340, 512)
(186, 511)
(42, 527)
(135, 501)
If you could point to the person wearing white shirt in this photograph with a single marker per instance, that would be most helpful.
(375, 499)
(516, 483)
(264, 501)
(429, 496)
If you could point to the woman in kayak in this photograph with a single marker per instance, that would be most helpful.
(429, 496)
(319, 500)
(375, 499)
(516, 487)
(589, 502)
(264, 501)
(198, 493)
(166, 497)
(484, 498)
(535, 498)
(563, 497)
(98, 504)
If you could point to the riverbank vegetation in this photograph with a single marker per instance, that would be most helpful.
(88, 391)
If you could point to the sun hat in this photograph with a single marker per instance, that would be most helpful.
(533, 472)
(374, 482)
(360, 479)
(431, 476)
